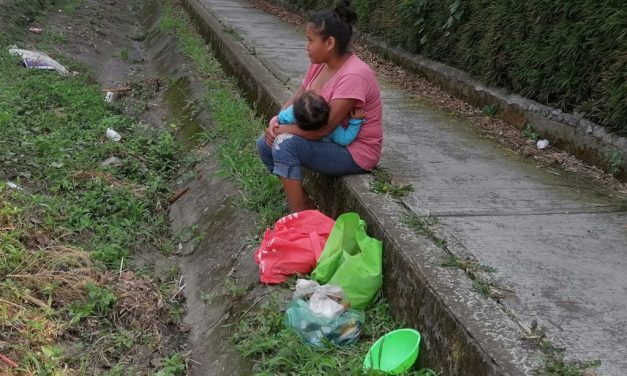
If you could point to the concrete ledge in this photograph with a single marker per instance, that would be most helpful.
(583, 138)
(464, 333)
(261, 87)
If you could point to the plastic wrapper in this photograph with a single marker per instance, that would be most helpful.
(320, 331)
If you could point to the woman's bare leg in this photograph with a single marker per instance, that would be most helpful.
(297, 199)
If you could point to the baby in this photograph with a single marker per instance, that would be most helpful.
(310, 112)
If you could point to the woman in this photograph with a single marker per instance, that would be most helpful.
(345, 82)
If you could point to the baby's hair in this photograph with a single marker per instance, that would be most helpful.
(311, 111)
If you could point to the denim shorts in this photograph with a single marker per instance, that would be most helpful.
(290, 153)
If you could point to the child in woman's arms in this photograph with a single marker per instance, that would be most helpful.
(310, 112)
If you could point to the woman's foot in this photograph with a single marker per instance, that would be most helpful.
(297, 198)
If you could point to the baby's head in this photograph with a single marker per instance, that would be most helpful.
(311, 111)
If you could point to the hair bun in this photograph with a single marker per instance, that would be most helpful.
(345, 12)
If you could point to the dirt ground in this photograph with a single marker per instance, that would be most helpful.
(107, 39)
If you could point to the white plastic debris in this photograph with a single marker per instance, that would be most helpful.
(12, 185)
(109, 97)
(113, 135)
(542, 144)
(112, 161)
(305, 288)
(324, 300)
(38, 60)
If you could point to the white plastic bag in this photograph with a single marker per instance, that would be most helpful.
(38, 60)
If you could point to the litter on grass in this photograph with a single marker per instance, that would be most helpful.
(113, 135)
(38, 60)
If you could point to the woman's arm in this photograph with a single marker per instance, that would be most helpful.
(270, 133)
(340, 109)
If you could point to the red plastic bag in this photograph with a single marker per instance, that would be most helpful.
(293, 246)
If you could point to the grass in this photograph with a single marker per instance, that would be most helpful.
(556, 365)
(72, 5)
(482, 287)
(480, 284)
(423, 226)
(468, 264)
(263, 337)
(614, 160)
(384, 183)
(530, 133)
(68, 301)
(16, 15)
(236, 126)
(277, 351)
(125, 53)
(490, 110)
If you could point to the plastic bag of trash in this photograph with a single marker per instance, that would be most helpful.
(327, 305)
(328, 300)
(352, 260)
(38, 60)
(319, 331)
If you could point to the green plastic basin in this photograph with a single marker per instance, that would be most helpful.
(395, 352)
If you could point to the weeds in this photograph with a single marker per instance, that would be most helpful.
(264, 336)
(423, 226)
(174, 365)
(490, 110)
(384, 183)
(236, 127)
(554, 362)
(466, 265)
(234, 291)
(482, 287)
(74, 219)
(614, 161)
(472, 268)
(530, 133)
(100, 301)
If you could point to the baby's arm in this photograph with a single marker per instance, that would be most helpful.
(345, 136)
(286, 116)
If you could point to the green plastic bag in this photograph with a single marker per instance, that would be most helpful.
(352, 260)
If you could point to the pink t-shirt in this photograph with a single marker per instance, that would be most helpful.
(355, 80)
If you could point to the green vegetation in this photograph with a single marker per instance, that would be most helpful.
(384, 183)
(614, 160)
(173, 365)
(554, 362)
(15, 15)
(265, 337)
(423, 226)
(565, 53)
(124, 54)
(262, 337)
(530, 133)
(467, 265)
(235, 125)
(68, 301)
(490, 110)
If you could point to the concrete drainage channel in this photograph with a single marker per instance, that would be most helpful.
(463, 333)
(205, 217)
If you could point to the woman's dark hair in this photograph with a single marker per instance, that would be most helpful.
(337, 23)
(311, 111)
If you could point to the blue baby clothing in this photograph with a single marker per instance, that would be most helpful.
(341, 135)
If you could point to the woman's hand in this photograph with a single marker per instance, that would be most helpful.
(270, 133)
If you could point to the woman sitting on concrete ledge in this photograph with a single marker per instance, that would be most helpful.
(345, 82)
